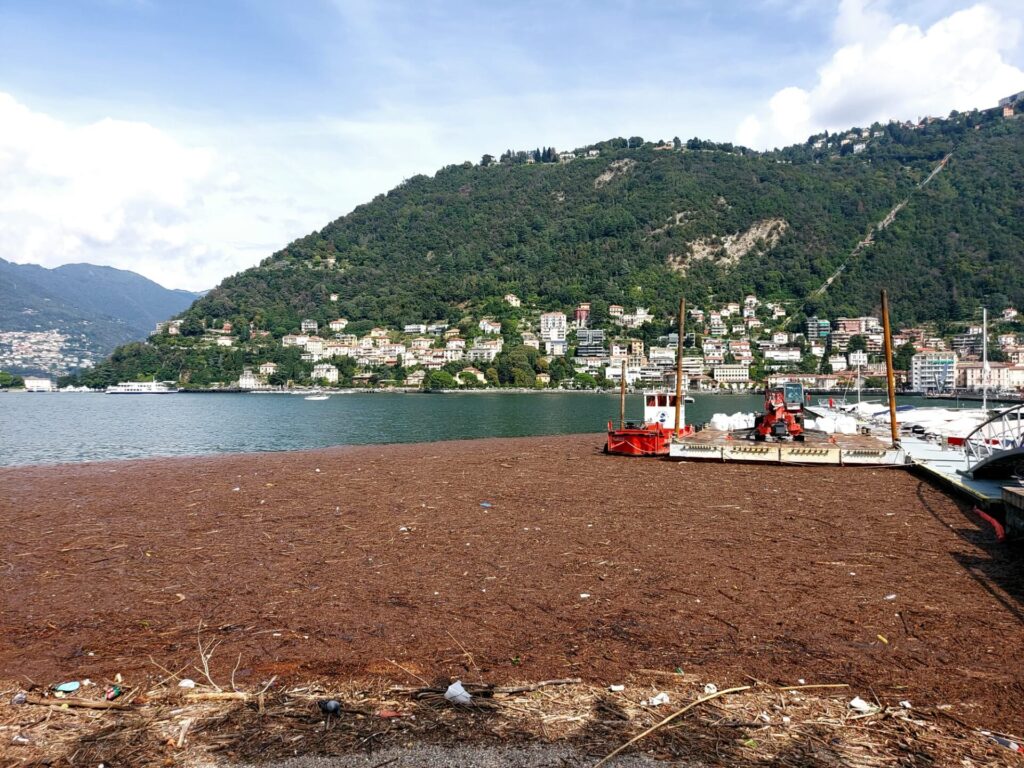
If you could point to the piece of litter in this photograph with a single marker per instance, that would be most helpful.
(584, 595)
(330, 707)
(236, 488)
(616, 688)
(710, 688)
(67, 687)
(905, 704)
(403, 529)
(861, 706)
(766, 717)
(1011, 745)
(883, 638)
(802, 681)
(891, 597)
(186, 683)
(456, 694)
(21, 740)
(787, 719)
(486, 504)
(657, 701)
(19, 698)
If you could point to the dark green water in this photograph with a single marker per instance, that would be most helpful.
(47, 428)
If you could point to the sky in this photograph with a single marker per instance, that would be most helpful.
(188, 139)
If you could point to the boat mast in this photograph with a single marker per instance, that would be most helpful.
(984, 358)
(622, 397)
(889, 376)
(679, 369)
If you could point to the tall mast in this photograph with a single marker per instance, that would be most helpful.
(679, 369)
(984, 358)
(889, 376)
(622, 396)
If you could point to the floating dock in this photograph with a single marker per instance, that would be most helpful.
(837, 450)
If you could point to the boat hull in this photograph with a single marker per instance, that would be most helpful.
(645, 440)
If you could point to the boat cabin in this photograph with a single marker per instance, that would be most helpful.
(660, 409)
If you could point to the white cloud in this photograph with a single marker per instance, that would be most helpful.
(884, 70)
(133, 196)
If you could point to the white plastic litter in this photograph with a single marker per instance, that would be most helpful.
(710, 688)
(657, 701)
(187, 683)
(861, 706)
(457, 694)
(905, 704)
(616, 688)
(584, 595)
(891, 597)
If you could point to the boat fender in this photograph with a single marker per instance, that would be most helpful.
(996, 525)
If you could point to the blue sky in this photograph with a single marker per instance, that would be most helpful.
(187, 140)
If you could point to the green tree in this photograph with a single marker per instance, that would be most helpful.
(438, 380)
(901, 360)
(858, 343)
(10, 381)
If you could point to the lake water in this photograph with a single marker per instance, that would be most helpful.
(65, 427)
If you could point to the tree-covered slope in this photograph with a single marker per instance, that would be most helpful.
(607, 228)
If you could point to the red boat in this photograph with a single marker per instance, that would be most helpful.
(652, 436)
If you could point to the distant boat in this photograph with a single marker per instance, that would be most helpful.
(316, 397)
(142, 388)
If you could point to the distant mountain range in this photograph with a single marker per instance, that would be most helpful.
(95, 308)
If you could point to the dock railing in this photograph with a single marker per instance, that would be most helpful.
(1002, 432)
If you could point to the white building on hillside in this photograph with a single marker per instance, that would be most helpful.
(553, 326)
(325, 371)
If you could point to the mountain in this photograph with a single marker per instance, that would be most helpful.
(932, 211)
(94, 308)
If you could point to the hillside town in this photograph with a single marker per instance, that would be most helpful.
(46, 352)
(729, 347)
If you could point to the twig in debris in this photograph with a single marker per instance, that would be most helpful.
(668, 720)
(661, 673)
(184, 730)
(71, 701)
(805, 687)
(218, 695)
(205, 654)
(266, 687)
(169, 673)
(237, 663)
(467, 654)
(537, 686)
(411, 674)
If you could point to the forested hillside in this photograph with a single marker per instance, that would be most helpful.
(642, 225)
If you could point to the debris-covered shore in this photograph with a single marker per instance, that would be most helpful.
(376, 576)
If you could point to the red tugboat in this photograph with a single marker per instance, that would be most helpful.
(664, 413)
(652, 436)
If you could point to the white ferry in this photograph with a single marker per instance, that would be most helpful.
(142, 388)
